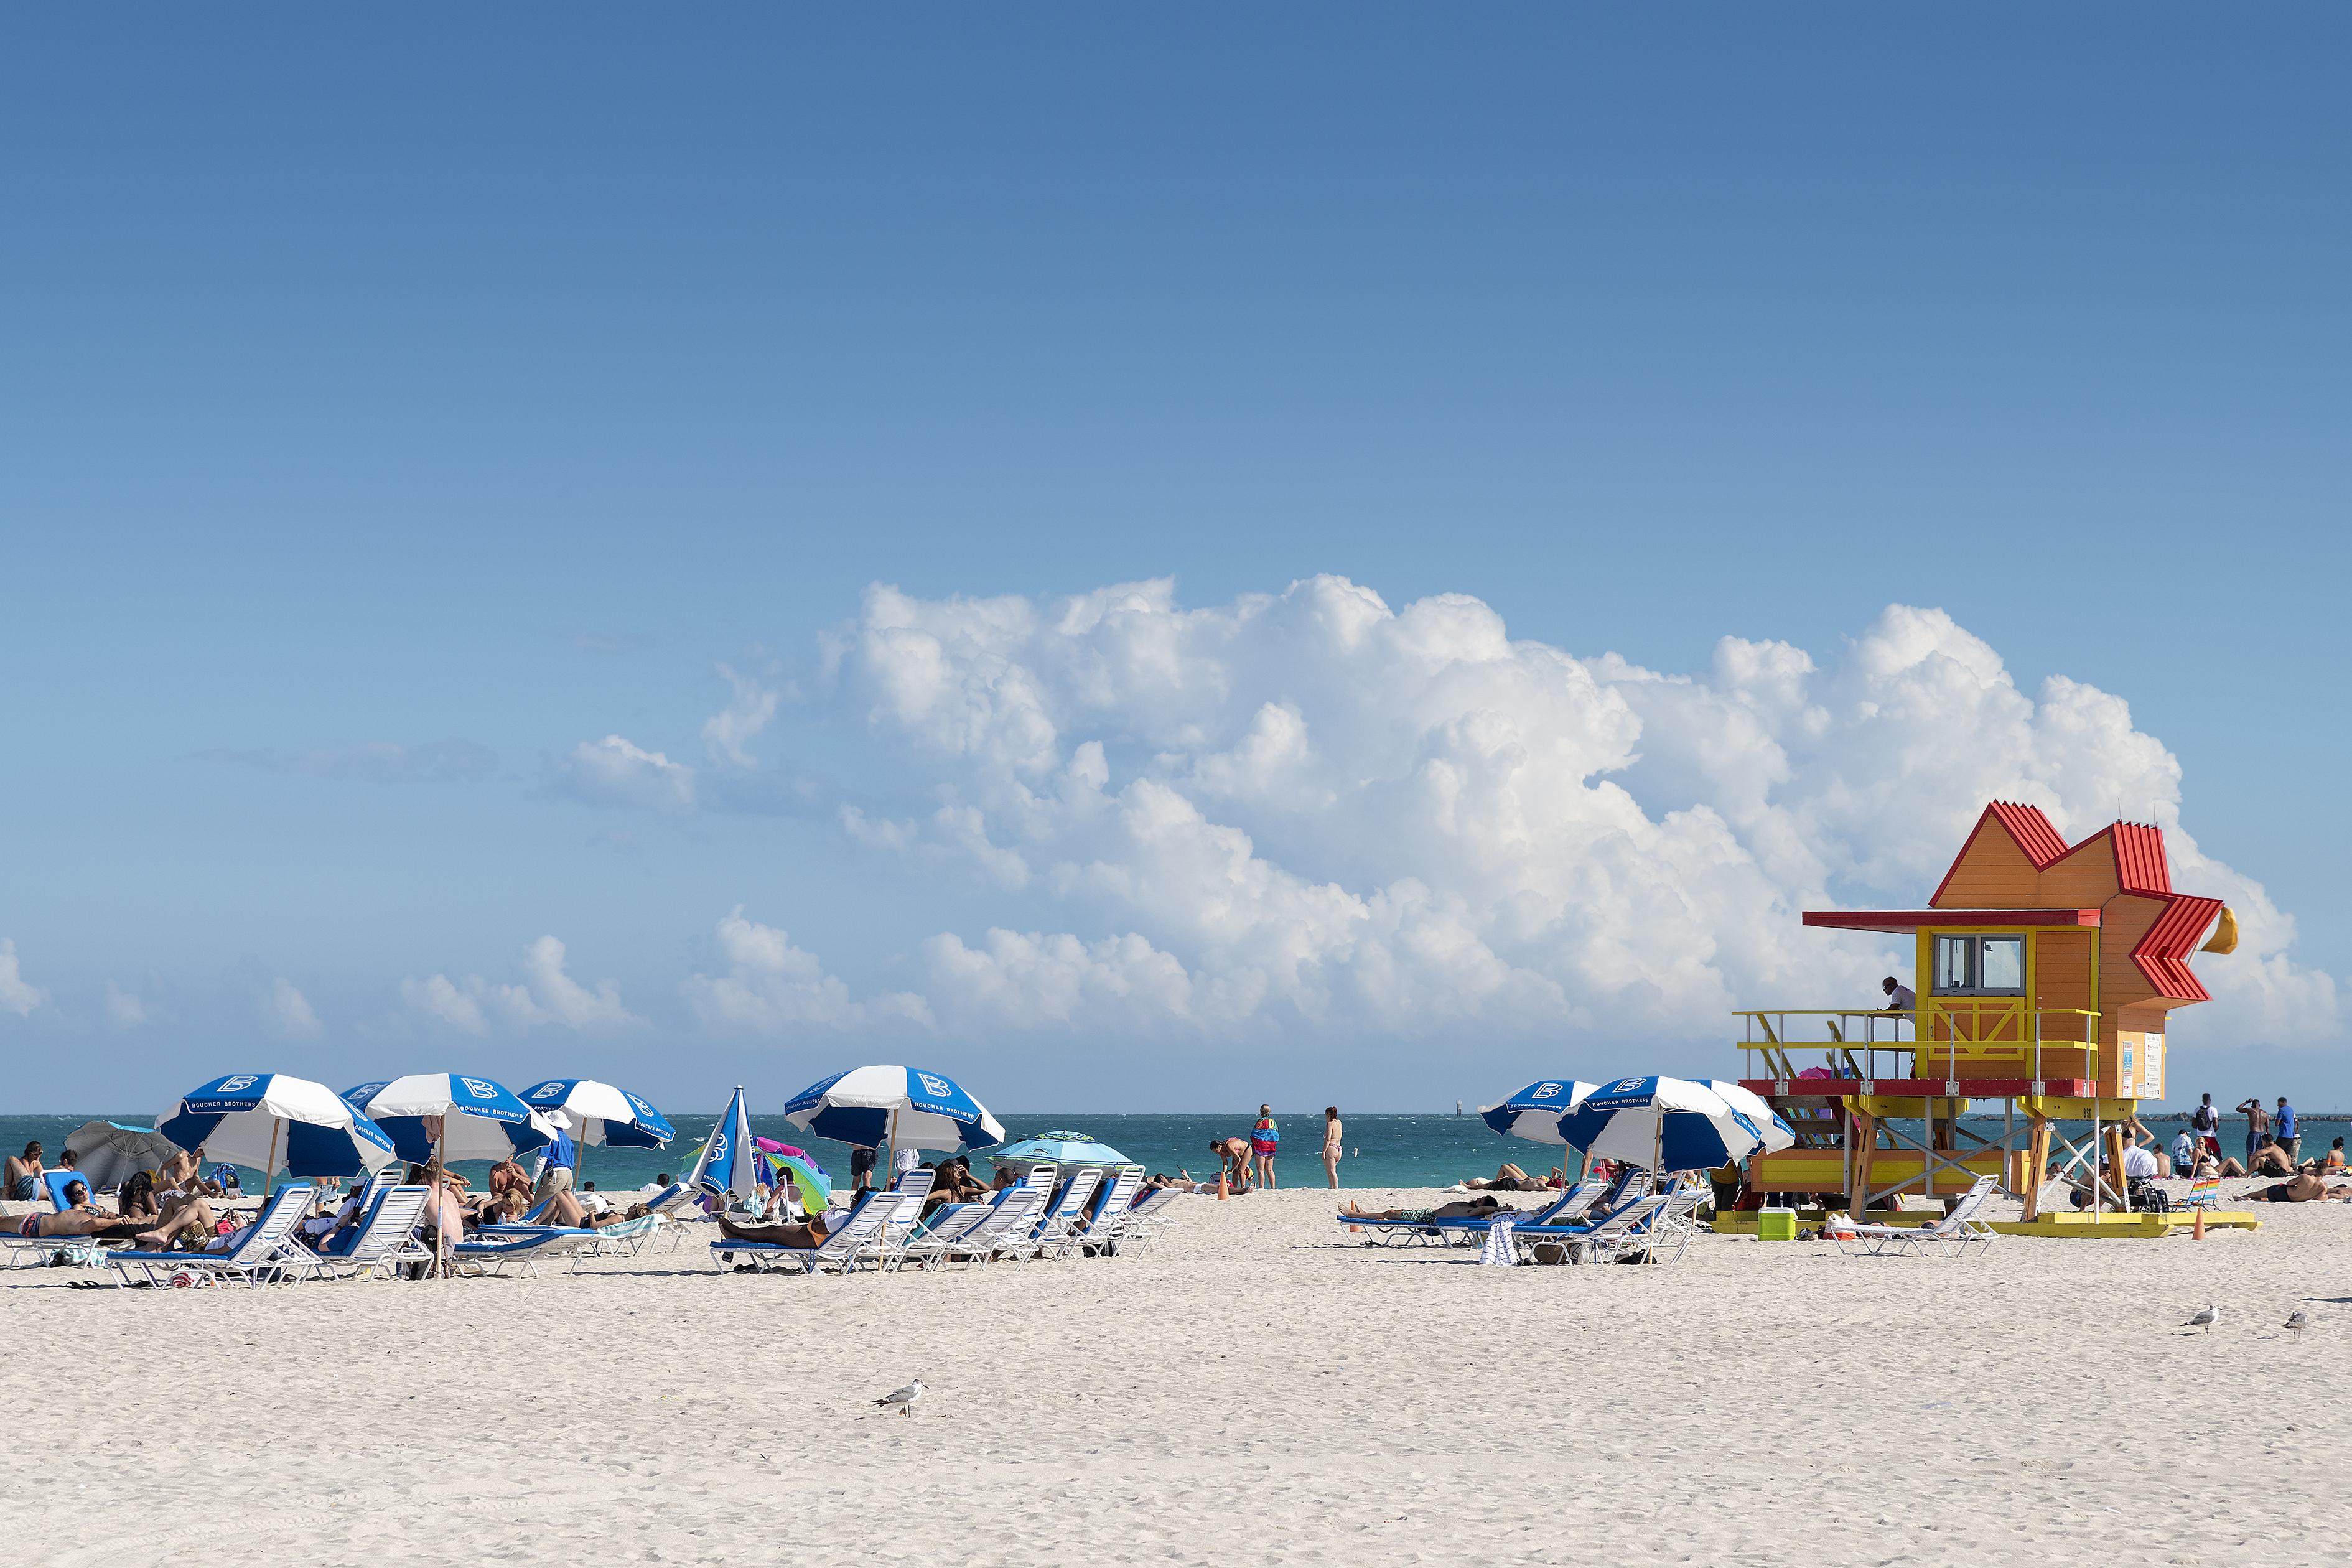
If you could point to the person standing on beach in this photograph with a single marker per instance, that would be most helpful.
(1234, 1153)
(2258, 1126)
(1331, 1144)
(2286, 1137)
(1266, 1141)
(2208, 1123)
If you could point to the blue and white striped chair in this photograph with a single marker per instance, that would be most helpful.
(264, 1252)
(841, 1250)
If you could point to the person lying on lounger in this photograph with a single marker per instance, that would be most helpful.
(1469, 1208)
(189, 1215)
(1509, 1178)
(810, 1236)
(79, 1217)
(566, 1210)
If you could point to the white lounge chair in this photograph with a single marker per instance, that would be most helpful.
(1097, 1230)
(1144, 1222)
(1010, 1219)
(265, 1253)
(524, 1248)
(1054, 1235)
(1622, 1229)
(947, 1224)
(385, 1239)
(841, 1250)
(1950, 1237)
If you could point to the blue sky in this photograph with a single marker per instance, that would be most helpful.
(395, 405)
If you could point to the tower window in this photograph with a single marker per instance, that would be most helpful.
(1980, 966)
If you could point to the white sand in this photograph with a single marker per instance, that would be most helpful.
(1253, 1390)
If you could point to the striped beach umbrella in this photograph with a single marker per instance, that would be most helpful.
(602, 1114)
(467, 1118)
(273, 1123)
(904, 1107)
(1534, 1112)
(1661, 1124)
(730, 1161)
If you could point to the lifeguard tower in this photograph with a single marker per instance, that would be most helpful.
(2045, 973)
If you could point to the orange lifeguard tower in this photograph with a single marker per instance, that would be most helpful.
(2044, 975)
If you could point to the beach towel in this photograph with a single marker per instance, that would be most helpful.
(1265, 1137)
(1498, 1250)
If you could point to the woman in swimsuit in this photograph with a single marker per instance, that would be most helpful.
(1331, 1143)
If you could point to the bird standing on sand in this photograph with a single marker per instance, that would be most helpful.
(2297, 1323)
(902, 1398)
(2205, 1320)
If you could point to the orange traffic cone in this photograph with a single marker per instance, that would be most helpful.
(1222, 1193)
(2197, 1225)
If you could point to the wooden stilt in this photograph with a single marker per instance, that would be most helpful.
(1862, 1137)
(2037, 1161)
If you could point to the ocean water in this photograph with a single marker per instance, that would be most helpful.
(1382, 1151)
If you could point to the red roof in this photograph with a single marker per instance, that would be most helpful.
(2025, 825)
(2140, 859)
(2163, 953)
(1894, 922)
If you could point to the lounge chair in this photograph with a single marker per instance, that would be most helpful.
(43, 1251)
(1577, 1209)
(1147, 1218)
(898, 1226)
(384, 1240)
(265, 1253)
(947, 1224)
(1054, 1236)
(1011, 1218)
(1626, 1229)
(2204, 1192)
(1097, 1230)
(495, 1249)
(840, 1250)
(1950, 1237)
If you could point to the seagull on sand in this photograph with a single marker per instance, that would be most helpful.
(2299, 1322)
(902, 1399)
(2205, 1320)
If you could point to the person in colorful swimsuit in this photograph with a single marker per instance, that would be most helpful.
(1266, 1141)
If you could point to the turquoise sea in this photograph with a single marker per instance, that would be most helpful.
(1382, 1151)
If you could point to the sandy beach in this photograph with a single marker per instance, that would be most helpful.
(1253, 1388)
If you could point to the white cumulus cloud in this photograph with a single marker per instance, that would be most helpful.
(768, 986)
(616, 771)
(1311, 809)
(17, 994)
(288, 1012)
(544, 993)
(727, 730)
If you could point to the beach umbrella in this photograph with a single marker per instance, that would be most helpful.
(274, 1122)
(1661, 1124)
(109, 1153)
(812, 1180)
(1534, 1112)
(1777, 1134)
(730, 1162)
(871, 1106)
(601, 1113)
(457, 1117)
(1064, 1151)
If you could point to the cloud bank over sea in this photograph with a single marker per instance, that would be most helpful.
(1311, 812)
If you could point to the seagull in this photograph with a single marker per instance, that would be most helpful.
(903, 1399)
(2204, 1320)
(2297, 1323)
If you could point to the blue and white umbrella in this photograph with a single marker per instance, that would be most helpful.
(1665, 1124)
(1778, 1135)
(601, 1113)
(905, 1107)
(1534, 1112)
(470, 1118)
(730, 1162)
(1064, 1151)
(272, 1122)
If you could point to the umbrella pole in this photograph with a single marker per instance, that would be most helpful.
(893, 1171)
(269, 1167)
(432, 1169)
